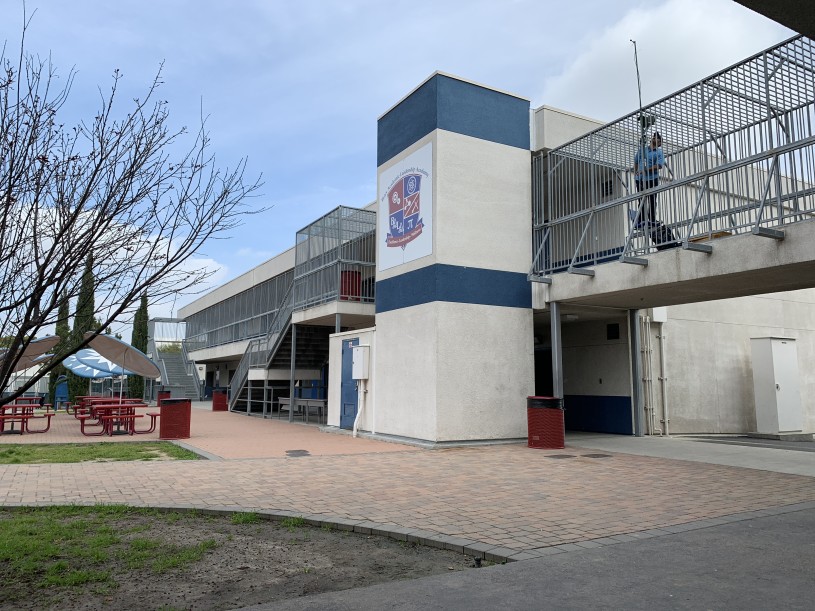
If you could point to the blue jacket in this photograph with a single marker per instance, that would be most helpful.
(652, 158)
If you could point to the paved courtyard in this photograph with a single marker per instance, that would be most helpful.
(509, 501)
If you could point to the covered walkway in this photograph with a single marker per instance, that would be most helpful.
(739, 159)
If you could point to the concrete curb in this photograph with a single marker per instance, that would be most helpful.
(467, 547)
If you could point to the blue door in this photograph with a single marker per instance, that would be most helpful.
(348, 386)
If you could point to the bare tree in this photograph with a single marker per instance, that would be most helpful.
(114, 188)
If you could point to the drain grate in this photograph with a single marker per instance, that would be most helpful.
(296, 453)
(596, 455)
(561, 456)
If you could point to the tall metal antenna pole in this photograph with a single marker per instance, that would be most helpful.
(637, 66)
(641, 119)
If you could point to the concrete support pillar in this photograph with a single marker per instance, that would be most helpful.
(636, 372)
(291, 376)
(557, 350)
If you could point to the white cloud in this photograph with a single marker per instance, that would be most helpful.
(298, 86)
(679, 43)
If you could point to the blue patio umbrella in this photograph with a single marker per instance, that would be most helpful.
(91, 358)
(77, 367)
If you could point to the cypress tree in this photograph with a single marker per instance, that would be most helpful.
(83, 321)
(138, 340)
(63, 329)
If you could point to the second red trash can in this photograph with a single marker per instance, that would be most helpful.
(219, 403)
(545, 423)
(174, 422)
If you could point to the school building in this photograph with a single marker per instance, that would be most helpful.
(508, 254)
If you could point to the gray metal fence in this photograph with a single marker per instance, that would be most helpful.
(739, 150)
(335, 258)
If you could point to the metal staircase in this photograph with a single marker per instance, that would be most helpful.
(260, 352)
(177, 375)
(334, 261)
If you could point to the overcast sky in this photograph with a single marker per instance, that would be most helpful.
(297, 85)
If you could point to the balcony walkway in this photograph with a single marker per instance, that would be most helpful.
(736, 267)
(732, 212)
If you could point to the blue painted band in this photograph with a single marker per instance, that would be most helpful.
(456, 106)
(454, 284)
(599, 414)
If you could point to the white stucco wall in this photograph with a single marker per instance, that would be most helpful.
(482, 216)
(461, 371)
(552, 127)
(407, 370)
(592, 364)
(485, 371)
(709, 365)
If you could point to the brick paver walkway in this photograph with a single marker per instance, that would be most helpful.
(508, 497)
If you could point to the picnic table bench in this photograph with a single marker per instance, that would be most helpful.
(115, 418)
(302, 406)
(24, 419)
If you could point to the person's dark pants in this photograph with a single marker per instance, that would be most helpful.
(648, 214)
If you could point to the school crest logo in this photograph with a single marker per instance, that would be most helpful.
(404, 203)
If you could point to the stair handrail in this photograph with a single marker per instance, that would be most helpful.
(192, 369)
(258, 350)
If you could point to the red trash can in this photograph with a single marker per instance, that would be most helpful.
(161, 395)
(219, 403)
(545, 423)
(174, 422)
(350, 285)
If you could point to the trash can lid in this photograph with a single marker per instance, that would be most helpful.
(552, 402)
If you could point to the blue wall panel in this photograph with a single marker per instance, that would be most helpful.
(414, 118)
(467, 109)
(455, 284)
(598, 414)
(453, 105)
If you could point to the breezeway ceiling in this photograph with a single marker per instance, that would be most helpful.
(794, 14)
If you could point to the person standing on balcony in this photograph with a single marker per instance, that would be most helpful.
(647, 164)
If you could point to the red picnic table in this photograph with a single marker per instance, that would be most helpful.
(22, 413)
(115, 419)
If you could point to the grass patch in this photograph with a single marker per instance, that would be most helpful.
(248, 517)
(292, 523)
(177, 557)
(84, 452)
(70, 546)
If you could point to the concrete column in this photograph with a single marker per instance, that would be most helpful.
(636, 372)
(291, 375)
(557, 350)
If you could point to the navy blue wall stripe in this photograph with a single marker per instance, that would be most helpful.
(446, 103)
(599, 414)
(454, 284)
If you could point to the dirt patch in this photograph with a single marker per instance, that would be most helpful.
(245, 564)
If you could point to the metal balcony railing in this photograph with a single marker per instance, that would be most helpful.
(259, 351)
(739, 152)
(334, 260)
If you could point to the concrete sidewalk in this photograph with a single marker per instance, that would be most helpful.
(792, 457)
(764, 563)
